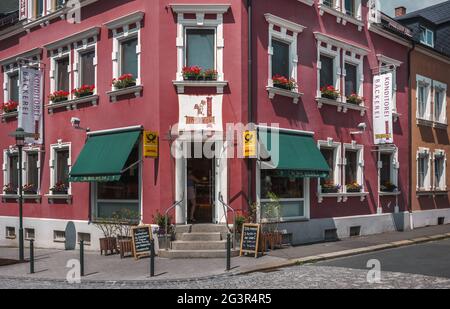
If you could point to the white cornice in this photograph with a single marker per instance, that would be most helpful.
(89, 33)
(27, 54)
(307, 2)
(388, 60)
(339, 43)
(200, 8)
(125, 20)
(284, 23)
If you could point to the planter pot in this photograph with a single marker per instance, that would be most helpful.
(108, 246)
(192, 78)
(60, 100)
(353, 190)
(10, 192)
(125, 246)
(9, 112)
(330, 97)
(328, 191)
(283, 87)
(85, 95)
(29, 192)
(60, 192)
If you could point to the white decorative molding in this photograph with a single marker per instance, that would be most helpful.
(132, 18)
(136, 90)
(341, 106)
(85, 34)
(284, 24)
(274, 91)
(181, 85)
(200, 8)
(30, 54)
(339, 12)
(348, 46)
(73, 104)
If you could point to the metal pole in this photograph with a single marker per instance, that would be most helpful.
(21, 244)
(82, 258)
(31, 256)
(228, 252)
(152, 258)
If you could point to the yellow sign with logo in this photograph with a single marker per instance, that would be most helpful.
(151, 144)
(250, 142)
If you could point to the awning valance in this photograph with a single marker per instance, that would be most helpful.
(292, 155)
(103, 158)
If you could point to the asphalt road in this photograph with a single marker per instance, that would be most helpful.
(428, 259)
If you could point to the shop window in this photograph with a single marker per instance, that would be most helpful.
(423, 98)
(280, 58)
(63, 75)
(11, 172)
(423, 170)
(10, 232)
(200, 48)
(32, 168)
(123, 194)
(291, 192)
(129, 57)
(426, 36)
(351, 79)
(87, 67)
(60, 163)
(30, 234)
(440, 102)
(440, 182)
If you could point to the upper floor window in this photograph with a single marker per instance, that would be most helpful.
(129, 57)
(58, 4)
(280, 58)
(87, 67)
(346, 11)
(350, 7)
(60, 163)
(423, 170)
(426, 36)
(200, 48)
(327, 71)
(63, 74)
(38, 6)
(32, 172)
(13, 86)
(440, 182)
(424, 98)
(351, 79)
(440, 103)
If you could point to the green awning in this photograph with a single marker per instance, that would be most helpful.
(103, 158)
(296, 156)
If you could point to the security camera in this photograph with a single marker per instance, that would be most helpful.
(75, 122)
(362, 126)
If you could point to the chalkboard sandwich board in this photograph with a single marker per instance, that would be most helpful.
(250, 239)
(141, 237)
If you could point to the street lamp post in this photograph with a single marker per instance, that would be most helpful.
(20, 136)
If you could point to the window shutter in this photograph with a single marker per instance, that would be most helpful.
(115, 56)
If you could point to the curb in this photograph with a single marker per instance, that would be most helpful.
(341, 254)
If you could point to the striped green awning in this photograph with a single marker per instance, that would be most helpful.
(292, 155)
(103, 158)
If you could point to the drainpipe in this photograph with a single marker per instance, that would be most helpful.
(250, 93)
(410, 119)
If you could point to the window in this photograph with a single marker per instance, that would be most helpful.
(129, 57)
(331, 151)
(87, 68)
(350, 7)
(59, 236)
(13, 85)
(327, 74)
(280, 58)
(440, 171)
(388, 166)
(58, 4)
(424, 98)
(353, 168)
(426, 36)
(291, 193)
(30, 234)
(346, 11)
(440, 102)
(11, 175)
(385, 173)
(329, 3)
(423, 170)
(10, 232)
(200, 48)
(86, 237)
(122, 194)
(60, 163)
(63, 75)
(38, 8)
(351, 79)
(32, 173)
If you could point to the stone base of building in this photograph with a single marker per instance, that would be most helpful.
(430, 217)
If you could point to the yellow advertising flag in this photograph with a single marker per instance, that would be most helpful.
(151, 144)
(250, 140)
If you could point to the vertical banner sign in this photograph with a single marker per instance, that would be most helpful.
(250, 141)
(382, 109)
(151, 143)
(30, 104)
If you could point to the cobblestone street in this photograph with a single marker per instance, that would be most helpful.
(300, 277)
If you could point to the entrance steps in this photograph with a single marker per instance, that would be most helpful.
(198, 241)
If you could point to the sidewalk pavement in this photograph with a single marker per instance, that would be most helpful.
(51, 264)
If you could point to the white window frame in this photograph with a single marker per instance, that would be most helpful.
(359, 63)
(338, 10)
(424, 153)
(57, 55)
(393, 65)
(425, 82)
(442, 186)
(427, 31)
(127, 33)
(27, 151)
(79, 50)
(441, 88)
(336, 55)
(394, 164)
(7, 153)
(52, 163)
(360, 164)
(337, 153)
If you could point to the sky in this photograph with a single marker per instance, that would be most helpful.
(388, 6)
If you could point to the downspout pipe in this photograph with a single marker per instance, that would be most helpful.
(410, 139)
(250, 167)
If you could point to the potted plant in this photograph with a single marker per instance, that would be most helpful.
(60, 188)
(108, 244)
(354, 187)
(388, 187)
(330, 187)
(124, 81)
(192, 73)
(272, 217)
(163, 221)
(29, 189)
(59, 96)
(9, 189)
(210, 75)
(83, 91)
(355, 99)
(284, 82)
(329, 92)
(10, 107)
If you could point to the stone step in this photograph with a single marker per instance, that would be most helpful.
(196, 254)
(199, 245)
(209, 228)
(201, 237)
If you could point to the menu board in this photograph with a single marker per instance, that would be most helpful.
(141, 236)
(250, 239)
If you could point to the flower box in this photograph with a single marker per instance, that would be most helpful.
(388, 187)
(83, 91)
(196, 73)
(29, 189)
(9, 190)
(329, 92)
(10, 107)
(59, 96)
(284, 83)
(354, 188)
(124, 81)
(330, 187)
(355, 99)
(60, 189)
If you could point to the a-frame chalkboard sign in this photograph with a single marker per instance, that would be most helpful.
(250, 239)
(141, 237)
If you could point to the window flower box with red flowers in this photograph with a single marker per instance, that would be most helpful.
(192, 73)
(355, 99)
(124, 81)
(284, 83)
(354, 187)
(83, 91)
(29, 189)
(59, 96)
(9, 190)
(59, 188)
(10, 107)
(329, 92)
(210, 75)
